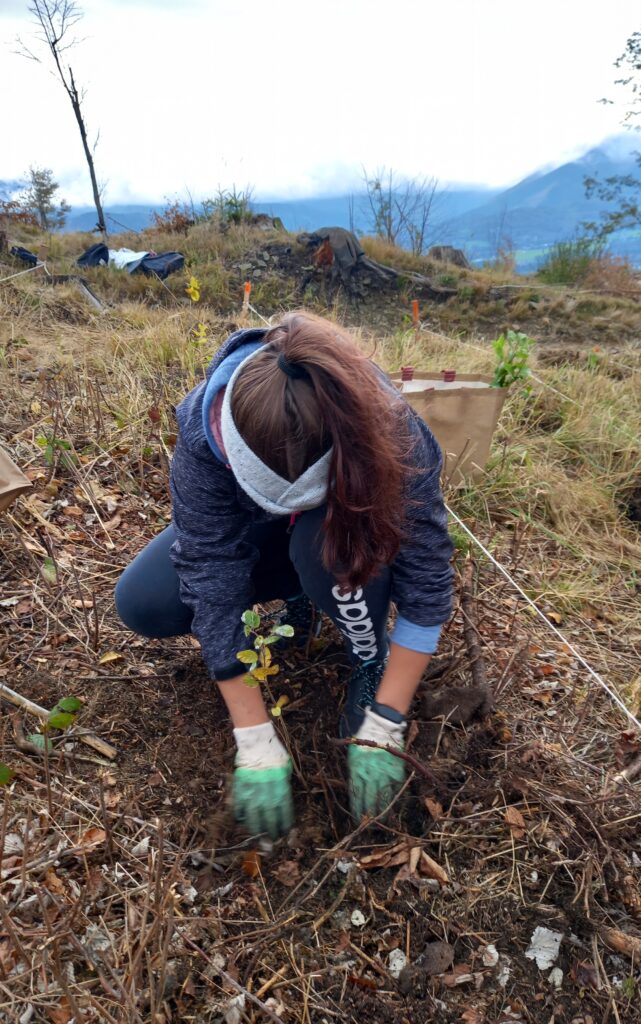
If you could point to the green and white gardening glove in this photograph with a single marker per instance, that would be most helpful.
(376, 775)
(261, 788)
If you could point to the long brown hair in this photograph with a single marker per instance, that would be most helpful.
(341, 401)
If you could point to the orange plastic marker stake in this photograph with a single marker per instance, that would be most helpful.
(246, 293)
(415, 319)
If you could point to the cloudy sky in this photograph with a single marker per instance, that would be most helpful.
(295, 96)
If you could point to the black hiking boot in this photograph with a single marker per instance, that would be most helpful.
(361, 692)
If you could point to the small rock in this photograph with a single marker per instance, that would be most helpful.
(357, 919)
(412, 981)
(436, 958)
(345, 866)
(555, 978)
(396, 961)
(490, 956)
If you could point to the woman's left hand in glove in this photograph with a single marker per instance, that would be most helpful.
(376, 775)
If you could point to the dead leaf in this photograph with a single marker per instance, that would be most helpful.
(461, 974)
(472, 1016)
(388, 857)
(434, 808)
(431, 869)
(251, 864)
(288, 872)
(53, 883)
(61, 1014)
(110, 656)
(367, 983)
(112, 524)
(90, 840)
(585, 975)
(555, 617)
(74, 510)
(112, 798)
(516, 821)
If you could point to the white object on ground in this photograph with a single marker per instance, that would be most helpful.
(556, 978)
(490, 956)
(396, 961)
(544, 947)
(122, 257)
(357, 918)
(259, 747)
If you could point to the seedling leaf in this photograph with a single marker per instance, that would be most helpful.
(284, 630)
(6, 774)
(251, 618)
(248, 657)
(68, 704)
(60, 720)
(36, 739)
(48, 571)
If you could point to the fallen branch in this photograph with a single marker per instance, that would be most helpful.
(418, 766)
(620, 941)
(35, 709)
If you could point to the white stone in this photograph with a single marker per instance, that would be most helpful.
(396, 961)
(490, 956)
(555, 978)
(544, 947)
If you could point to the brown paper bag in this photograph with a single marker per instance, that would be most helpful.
(462, 414)
(12, 481)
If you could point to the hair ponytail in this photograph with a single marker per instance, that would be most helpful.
(337, 398)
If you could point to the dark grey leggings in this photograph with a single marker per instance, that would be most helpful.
(148, 598)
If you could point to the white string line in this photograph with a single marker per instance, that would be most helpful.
(595, 675)
(259, 315)
(29, 270)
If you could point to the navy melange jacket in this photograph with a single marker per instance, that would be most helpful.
(214, 559)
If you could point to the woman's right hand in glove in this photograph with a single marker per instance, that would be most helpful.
(261, 790)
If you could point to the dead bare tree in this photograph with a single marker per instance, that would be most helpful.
(55, 21)
(401, 210)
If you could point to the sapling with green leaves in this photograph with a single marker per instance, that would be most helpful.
(259, 659)
(512, 351)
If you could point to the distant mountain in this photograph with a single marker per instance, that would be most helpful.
(544, 208)
(528, 217)
(125, 217)
(347, 211)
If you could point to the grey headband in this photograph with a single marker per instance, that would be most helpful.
(269, 490)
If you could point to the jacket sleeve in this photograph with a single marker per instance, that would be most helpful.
(421, 574)
(212, 556)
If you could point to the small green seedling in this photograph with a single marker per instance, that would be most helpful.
(54, 444)
(6, 774)
(259, 659)
(512, 351)
(62, 716)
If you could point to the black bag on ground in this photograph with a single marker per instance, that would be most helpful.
(24, 255)
(164, 264)
(96, 256)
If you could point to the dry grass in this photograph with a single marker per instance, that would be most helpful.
(170, 923)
